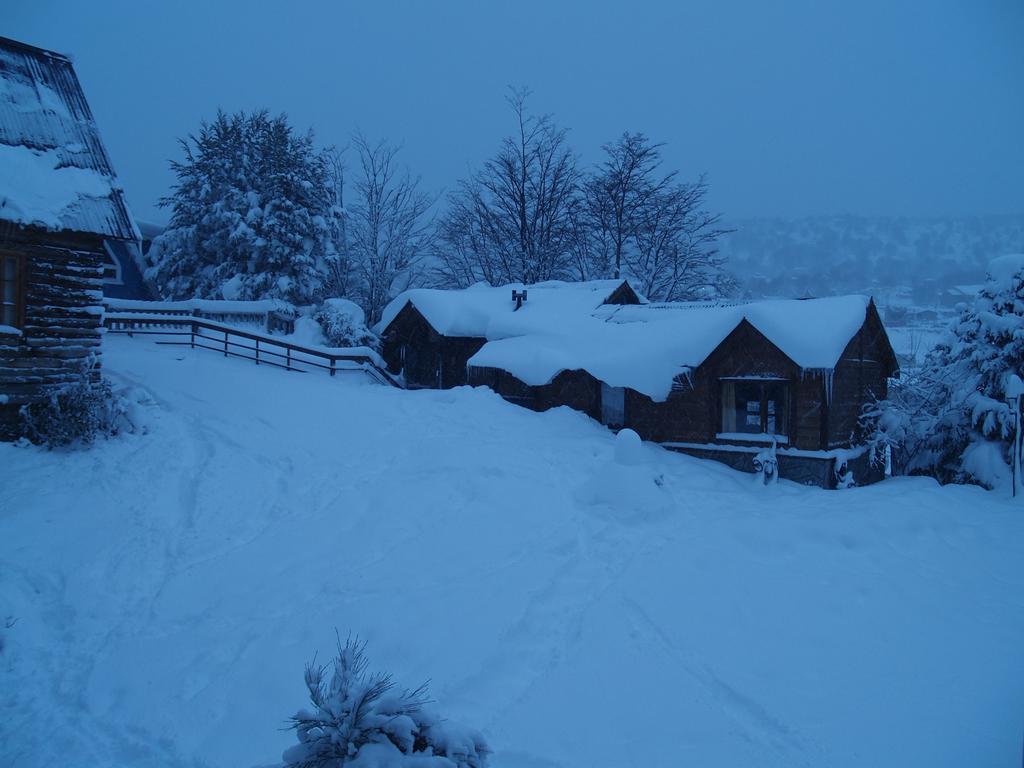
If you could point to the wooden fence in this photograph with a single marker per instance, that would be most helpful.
(200, 333)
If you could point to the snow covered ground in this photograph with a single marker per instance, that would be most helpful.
(160, 594)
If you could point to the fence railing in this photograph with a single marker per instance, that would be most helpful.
(266, 314)
(200, 333)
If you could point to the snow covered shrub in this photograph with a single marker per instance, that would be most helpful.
(950, 418)
(362, 719)
(72, 414)
(344, 324)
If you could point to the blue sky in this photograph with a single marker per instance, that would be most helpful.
(794, 108)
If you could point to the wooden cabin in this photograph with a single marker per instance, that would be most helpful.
(123, 276)
(428, 335)
(60, 202)
(125, 264)
(720, 380)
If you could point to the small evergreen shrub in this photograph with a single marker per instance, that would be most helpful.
(362, 718)
(344, 324)
(74, 414)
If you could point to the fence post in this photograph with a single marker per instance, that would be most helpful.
(288, 358)
(225, 343)
(333, 361)
(193, 339)
(257, 351)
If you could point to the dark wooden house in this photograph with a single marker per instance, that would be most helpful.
(720, 382)
(428, 335)
(123, 276)
(59, 204)
(125, 263)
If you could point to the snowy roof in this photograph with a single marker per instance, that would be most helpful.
(150, 229)
(644, 347)
(485, 311)
(54, 170)
(967, 290)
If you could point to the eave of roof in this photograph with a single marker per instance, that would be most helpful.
(46, 114)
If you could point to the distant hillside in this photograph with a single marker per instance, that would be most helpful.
(889, 257)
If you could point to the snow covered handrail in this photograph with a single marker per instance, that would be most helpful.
(233, 342)
(268, 313)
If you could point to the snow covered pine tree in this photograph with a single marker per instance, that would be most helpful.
(362, 720)
(253, 214)
(950, 419)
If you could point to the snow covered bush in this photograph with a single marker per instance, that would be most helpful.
(362, 719)
(344, 324)
(74, 414)
(253, 216)
(950, 418)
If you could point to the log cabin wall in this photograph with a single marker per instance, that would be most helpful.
(861, 375)
(692, 412)
(684, 417)
(623, 295)
(504, 384)
(575, 389)
(61, 322)
(428, 359)
(412, 347)
(455, 354)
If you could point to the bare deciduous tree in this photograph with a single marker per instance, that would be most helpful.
(388, 225)
(511, 221)
(675, 255)
(645, 225)
(339, 265)
(617, 197)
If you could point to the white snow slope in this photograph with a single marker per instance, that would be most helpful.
(160, 593)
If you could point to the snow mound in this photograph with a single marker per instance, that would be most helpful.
(630, 488)
(628, 447)
(161, 594)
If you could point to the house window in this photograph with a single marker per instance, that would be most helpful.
(11, 299)
(111, 267)
(755, 407)
(613, 405)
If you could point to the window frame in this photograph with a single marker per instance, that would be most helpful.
(783, 427)
(111, 259)
(19, 286)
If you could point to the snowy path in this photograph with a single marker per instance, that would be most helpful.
(165, 590)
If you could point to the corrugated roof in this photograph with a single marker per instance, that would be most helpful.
(46, 121)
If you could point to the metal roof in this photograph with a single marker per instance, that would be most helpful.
(43, 109)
